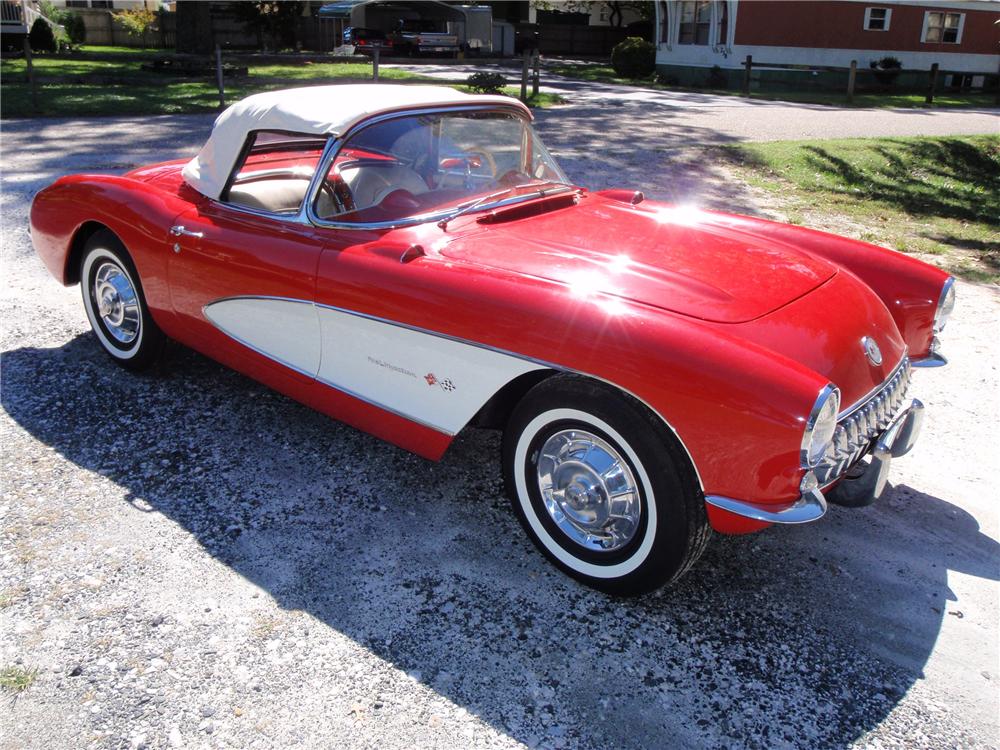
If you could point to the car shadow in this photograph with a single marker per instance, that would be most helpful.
(804, 636)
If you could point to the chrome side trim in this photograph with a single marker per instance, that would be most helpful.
(860, 403)
(383, 407)
(417, 329)
(810, 506)
(931, 360)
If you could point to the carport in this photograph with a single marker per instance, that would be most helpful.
(386, 15)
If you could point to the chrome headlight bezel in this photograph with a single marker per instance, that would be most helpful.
(945, 305)
(820, 426)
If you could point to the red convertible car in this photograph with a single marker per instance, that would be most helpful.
(411, 260)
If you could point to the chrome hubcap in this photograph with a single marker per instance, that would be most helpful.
(117, 303)
(589, 490)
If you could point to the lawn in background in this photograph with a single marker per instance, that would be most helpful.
(116, 84)
(934, 196)
(606, 74)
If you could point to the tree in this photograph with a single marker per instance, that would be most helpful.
(615, 8)
(278, 19)
(137, 22)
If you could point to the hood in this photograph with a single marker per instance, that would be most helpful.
(669, 258)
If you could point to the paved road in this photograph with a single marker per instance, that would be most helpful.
(191, 560)
(710, 118)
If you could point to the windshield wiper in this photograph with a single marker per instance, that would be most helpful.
(462, 210)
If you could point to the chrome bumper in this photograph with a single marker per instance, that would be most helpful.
(809, 507)
(896, 441)
(864, 489)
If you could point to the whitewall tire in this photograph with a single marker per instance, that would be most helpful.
(115, 304)
(602, 486)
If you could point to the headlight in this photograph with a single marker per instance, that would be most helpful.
(946, 303)
(820, 426)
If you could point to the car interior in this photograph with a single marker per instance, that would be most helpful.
(392, 170)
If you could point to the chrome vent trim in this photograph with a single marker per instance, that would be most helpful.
(862, 423)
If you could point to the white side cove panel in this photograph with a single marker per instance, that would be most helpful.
(285, 330)
(437, 381)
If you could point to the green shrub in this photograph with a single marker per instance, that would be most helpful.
(486, 83)
(41, 37)
(137, 22)
(76, 29)
(633, 58)
(716, 78)
(72, 23)
(886, 70)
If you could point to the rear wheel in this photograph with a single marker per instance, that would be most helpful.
(115, 305)
(603, 487)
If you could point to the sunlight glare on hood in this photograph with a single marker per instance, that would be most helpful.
(619, 263)
(593, 286)
(686, 215)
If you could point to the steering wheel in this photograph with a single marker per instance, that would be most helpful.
(335, 187)
(513, 178)
(485, 158)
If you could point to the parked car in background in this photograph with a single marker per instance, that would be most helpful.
(366, 41)
(411, 260)
(420, 37)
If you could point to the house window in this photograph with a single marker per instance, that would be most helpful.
(877, 19)
(76, 3)
(943, 28)
(102, 4)
(696, 18)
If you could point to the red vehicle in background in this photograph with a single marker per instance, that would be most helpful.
(366, 41)
(412, 261)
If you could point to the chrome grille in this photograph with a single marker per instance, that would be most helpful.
(858, 427)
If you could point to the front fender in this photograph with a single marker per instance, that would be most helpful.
(139, 214)
(908, 287)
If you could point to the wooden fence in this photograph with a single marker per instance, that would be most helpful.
(880, 80)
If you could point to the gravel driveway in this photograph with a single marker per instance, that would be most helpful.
(190, 560)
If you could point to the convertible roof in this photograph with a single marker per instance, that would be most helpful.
(315, 110)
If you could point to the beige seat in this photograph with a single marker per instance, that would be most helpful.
(278, 195)
(370, 184)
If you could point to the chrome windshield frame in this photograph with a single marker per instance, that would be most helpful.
(335, 144)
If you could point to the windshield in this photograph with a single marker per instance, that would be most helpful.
(424, 166)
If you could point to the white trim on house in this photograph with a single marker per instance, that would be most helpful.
(945, 12)
(715, 43)
(951, 5)
(700, 56)
(868, 17)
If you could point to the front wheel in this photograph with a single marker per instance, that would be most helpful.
(603, 487)
(115, 304)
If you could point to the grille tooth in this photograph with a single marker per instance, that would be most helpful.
(840, 443)
(854, 434)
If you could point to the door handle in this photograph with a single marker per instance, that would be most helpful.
(179, 229)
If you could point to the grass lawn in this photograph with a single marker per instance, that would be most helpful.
(936, 197)
(606, 74)
(70, 86)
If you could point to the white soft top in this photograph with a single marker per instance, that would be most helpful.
(314, 110)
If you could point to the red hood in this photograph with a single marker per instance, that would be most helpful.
(664, 257)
